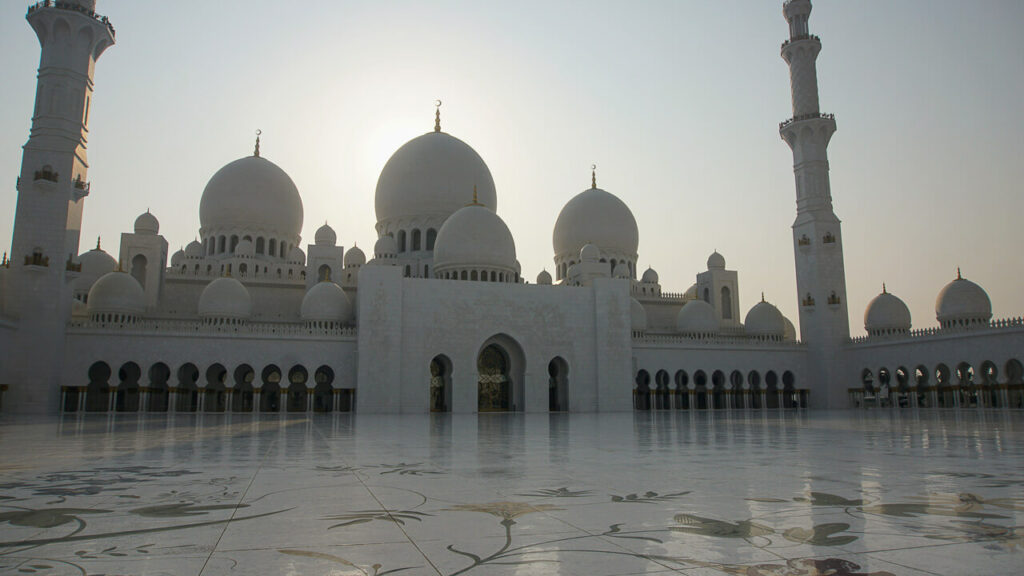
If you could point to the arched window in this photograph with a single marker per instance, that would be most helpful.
(401, 241)
(473, 275)
(234, 243)
(416, 239)
(431, 238)
(408, 271)
(707, 296)
(273, 247)
(324, 273)
(221, 244)
(726, 303)
(139, 269)
(426, 271)
(463, 275)
(260, 245)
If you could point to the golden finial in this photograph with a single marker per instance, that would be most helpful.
(437, 115)
(762, 296)
(256, 153)
(474, 202)
(958, 277)
(97, 242)
(883, 288)
(593, 175)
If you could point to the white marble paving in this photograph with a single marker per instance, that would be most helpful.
(773, 494)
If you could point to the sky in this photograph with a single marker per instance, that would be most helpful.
(677, 102)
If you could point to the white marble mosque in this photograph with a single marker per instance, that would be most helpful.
(440, 317)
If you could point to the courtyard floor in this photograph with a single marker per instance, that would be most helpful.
(755, 494)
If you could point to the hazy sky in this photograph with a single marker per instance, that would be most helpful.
(677, 102)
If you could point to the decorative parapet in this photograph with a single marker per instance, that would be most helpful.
(46, 174)
(803, 241)
(833, 299)
(799, 38)
(647, 338)
(74, 8)
(937, 332)
(808, 301)
(829, 238)
(70, 266)
(201, 328)
(37, 259)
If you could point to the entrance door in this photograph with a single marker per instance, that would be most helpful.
(494, 389)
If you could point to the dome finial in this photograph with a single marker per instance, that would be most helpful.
(883, 288)
(475, 202)
(97, 242)
(256, 153)
(437, 115)
(762, 296)
(593, 175)
(958, 276)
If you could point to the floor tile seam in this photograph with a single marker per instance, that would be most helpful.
(400, 527)
(241, 498)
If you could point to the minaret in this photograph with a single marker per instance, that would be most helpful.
(817, 235)
(51, 191)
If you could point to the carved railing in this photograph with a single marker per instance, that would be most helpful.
(198, 327)
(799, 38)
(74, 8)
(999, 324)
(811, 116)
(720, 339)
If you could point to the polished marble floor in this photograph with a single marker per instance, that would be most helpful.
(778, 494)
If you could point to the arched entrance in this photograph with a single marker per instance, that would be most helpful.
(642, 392)
(215, 399)
(243, 396)
(558, 385)
(440, 384)
(159, 394)
(127, 399)
(297, 392)
(323, 393)
(97, 394)
(661, 379)
(270, 393)
(494, 391)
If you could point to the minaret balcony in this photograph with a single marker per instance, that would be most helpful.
(800, 38)
(811, 116)
(73, 8)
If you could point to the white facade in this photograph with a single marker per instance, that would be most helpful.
(440, 319)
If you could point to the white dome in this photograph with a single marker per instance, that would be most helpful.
(637, 315)
(432, 175)
(789, 334)
(385, 248)
(697, 317)
(886, 313)
(650, 276)
(590, 253)
(765, 320)
(147, 224)
(194, 250)
(474, 237)
(716, 261)
(245, 248)
(116, 293)
(691, 293)
(225, 298)
(96, 263)
(544, 278)
(325, 236)
(297, 256)
(962, 302)
(595, 217)
(252, 193)
(326, 302)
(178, 258)
(354, 257)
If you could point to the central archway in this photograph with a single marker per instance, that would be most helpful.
(440, 384)
(500, 374)
(558, 385)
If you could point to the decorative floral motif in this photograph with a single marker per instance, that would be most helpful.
(648, 497)
(507, 511)
(364, 516)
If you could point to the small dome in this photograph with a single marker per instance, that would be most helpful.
(637, 315)
(885, 314)
(354, 257)
(691, 293)
(621, 270)
(116, 293)
(297, 256)
(194, 250)
(595, 217)
(789, 334)
(544, 278)
(178, 258)
(385, 248)
(590, 253)
(765, 321)
(650, 276)
(147, 224)
(225, 298)
(697, 318)
(716, 261)
(326, 302)
(432, 175)
(962, 303)
(475, 236)
(245, 248)
(252, 193)
(96, 263)
(325, 236)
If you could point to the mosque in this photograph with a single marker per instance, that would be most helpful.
(440, 317)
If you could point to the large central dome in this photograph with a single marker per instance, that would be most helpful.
(251, 194)
(432, 175)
